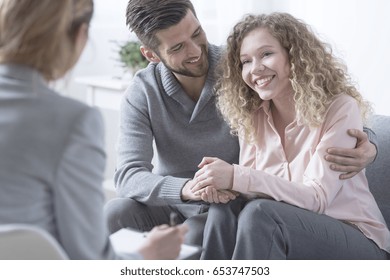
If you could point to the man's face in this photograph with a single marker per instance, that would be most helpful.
(183, 48)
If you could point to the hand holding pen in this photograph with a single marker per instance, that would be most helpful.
(172, 219)
(164, 242)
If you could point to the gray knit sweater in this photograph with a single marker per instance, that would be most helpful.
(155, 107)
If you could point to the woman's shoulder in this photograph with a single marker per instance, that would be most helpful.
(342, 102)
(343, 107)
(64, 106)
(64, 115)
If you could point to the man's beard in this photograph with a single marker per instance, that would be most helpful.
(202, 70)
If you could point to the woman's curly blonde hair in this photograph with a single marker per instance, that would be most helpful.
(315, 74)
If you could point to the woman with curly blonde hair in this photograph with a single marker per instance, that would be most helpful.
(316, 75)
(287, 97)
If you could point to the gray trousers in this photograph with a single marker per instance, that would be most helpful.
(267, 229)
(126, 212)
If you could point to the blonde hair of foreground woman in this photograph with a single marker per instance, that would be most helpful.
(49, 36)
(46, 37)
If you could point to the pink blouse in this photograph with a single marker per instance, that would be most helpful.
(299, 175)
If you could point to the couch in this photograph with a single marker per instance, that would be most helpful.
(378, 173)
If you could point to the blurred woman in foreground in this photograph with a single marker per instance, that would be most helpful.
(52, 153)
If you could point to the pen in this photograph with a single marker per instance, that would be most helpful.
(172, 219)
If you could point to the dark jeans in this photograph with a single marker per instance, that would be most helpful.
(268, 229)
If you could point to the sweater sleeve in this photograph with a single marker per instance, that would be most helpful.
(134, 177)
(372, 138)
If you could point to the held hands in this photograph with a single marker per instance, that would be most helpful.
(211, 195)
(213, 182)
(208, 194)
(187, 194)
(163, 242)
(352, 161)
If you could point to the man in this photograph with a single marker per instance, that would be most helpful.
(171, 102)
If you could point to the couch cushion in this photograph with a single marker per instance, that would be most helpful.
(378, 173)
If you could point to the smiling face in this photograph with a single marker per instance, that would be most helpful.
(183, 48)
(265, 65)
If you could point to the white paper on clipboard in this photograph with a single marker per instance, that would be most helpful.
(128, 241)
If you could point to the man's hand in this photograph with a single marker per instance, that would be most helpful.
(352, 161)
(208, 194)
(187, 193)
(211, 195)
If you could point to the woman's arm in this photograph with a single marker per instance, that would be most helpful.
(352, 161)
(313, 189)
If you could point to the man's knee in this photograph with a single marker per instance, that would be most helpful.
(118, 211)
(220, 212)
(196, 227)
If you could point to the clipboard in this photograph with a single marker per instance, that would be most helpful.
(127, 240)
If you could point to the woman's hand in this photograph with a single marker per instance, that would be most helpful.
(208, 194)
(163, 242)
(214, 173)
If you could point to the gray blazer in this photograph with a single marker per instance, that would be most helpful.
(52, 163)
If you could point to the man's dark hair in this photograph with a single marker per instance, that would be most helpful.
(146, 17)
